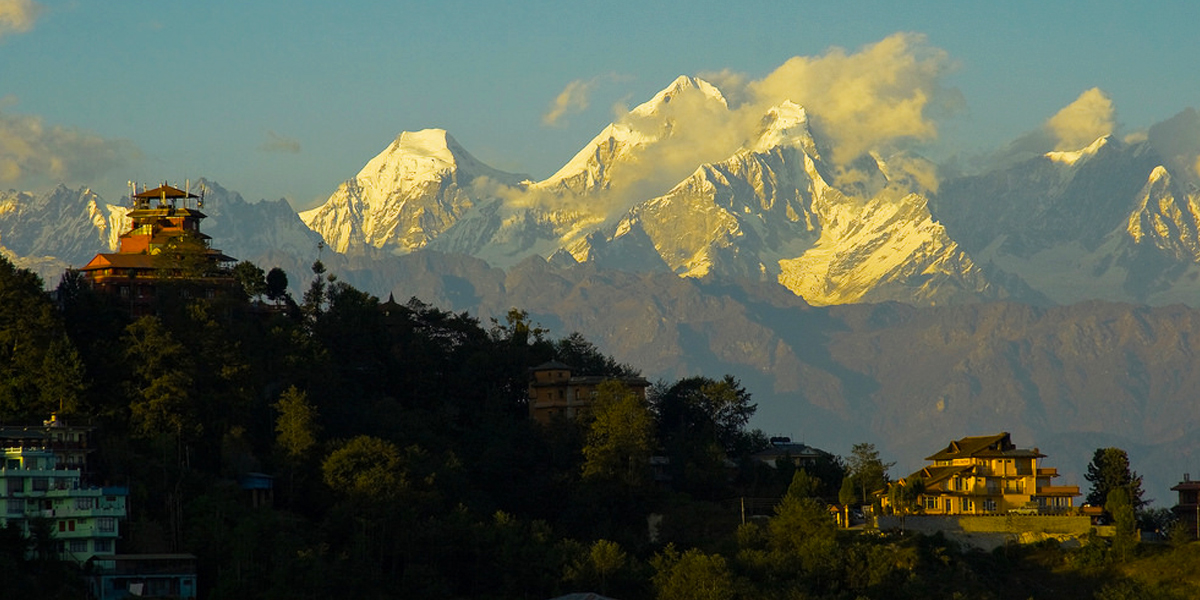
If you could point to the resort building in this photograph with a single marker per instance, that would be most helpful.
(987, 475)
(554, 392)
(164, 245)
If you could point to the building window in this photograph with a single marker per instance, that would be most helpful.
(16, 506)
(78, 546)
(16, 485)
(104, 546)
(930, 503)
(964, 505)
(41, 484)
(106, 524)
(989, 504)
(85, 503)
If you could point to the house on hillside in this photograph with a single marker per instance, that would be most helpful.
(556, 392)
(122, 576)
(785, 450)
(1187, 509)
(985, 475)
(41, 477)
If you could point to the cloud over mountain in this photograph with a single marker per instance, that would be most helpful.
(887, 93)
(879, 98)
(34, 154)
(1090, 116)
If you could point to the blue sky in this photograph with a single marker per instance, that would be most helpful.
(276, 99)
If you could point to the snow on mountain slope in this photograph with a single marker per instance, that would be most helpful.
(592, 168)
(617, 169)
(253, 231)
(1106, 221)
(1166, 218)
(51, 231)
(771, 212)
(887, 249)
(730, 218)
(407, 195)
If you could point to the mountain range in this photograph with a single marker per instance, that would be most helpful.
(870, 299)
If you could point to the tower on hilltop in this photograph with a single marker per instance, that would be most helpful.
(163, 247)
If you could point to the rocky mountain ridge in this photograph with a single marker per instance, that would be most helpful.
(1107, 221)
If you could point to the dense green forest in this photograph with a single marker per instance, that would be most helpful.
(406, 464)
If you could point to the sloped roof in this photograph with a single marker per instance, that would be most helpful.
(935, 475)
(164, 191)
(119, 261)
(985, 446)
(973, 446)
(792, 449)
(552, 366)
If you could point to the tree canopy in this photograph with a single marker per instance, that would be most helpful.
(1110, 470)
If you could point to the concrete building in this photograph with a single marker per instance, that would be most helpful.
(84, 520)
(556, 392)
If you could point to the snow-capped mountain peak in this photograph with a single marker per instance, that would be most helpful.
(785, 125)
(590, 169)
(678, 88)
(405, 196)
(1072, 157)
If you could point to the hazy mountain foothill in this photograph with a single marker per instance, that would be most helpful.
(871, 299)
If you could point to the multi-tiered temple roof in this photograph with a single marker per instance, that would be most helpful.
(163, 245)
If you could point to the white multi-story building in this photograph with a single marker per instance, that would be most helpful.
(84, 520)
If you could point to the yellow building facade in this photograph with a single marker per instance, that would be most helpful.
(988, 475)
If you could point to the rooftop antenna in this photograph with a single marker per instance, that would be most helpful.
(203, 189)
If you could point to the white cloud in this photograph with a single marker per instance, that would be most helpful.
(880, 98)
(887, 94)
(573, 99)
(18, 16)
(883, 97)
(33, 154)
(1088, 117)
(576, 97)
(1081, 122)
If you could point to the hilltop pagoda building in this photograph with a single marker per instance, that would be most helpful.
(163, 247)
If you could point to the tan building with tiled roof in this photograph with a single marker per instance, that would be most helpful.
(989, 475)
(555, 392)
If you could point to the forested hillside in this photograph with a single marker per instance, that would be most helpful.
(406, 465)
